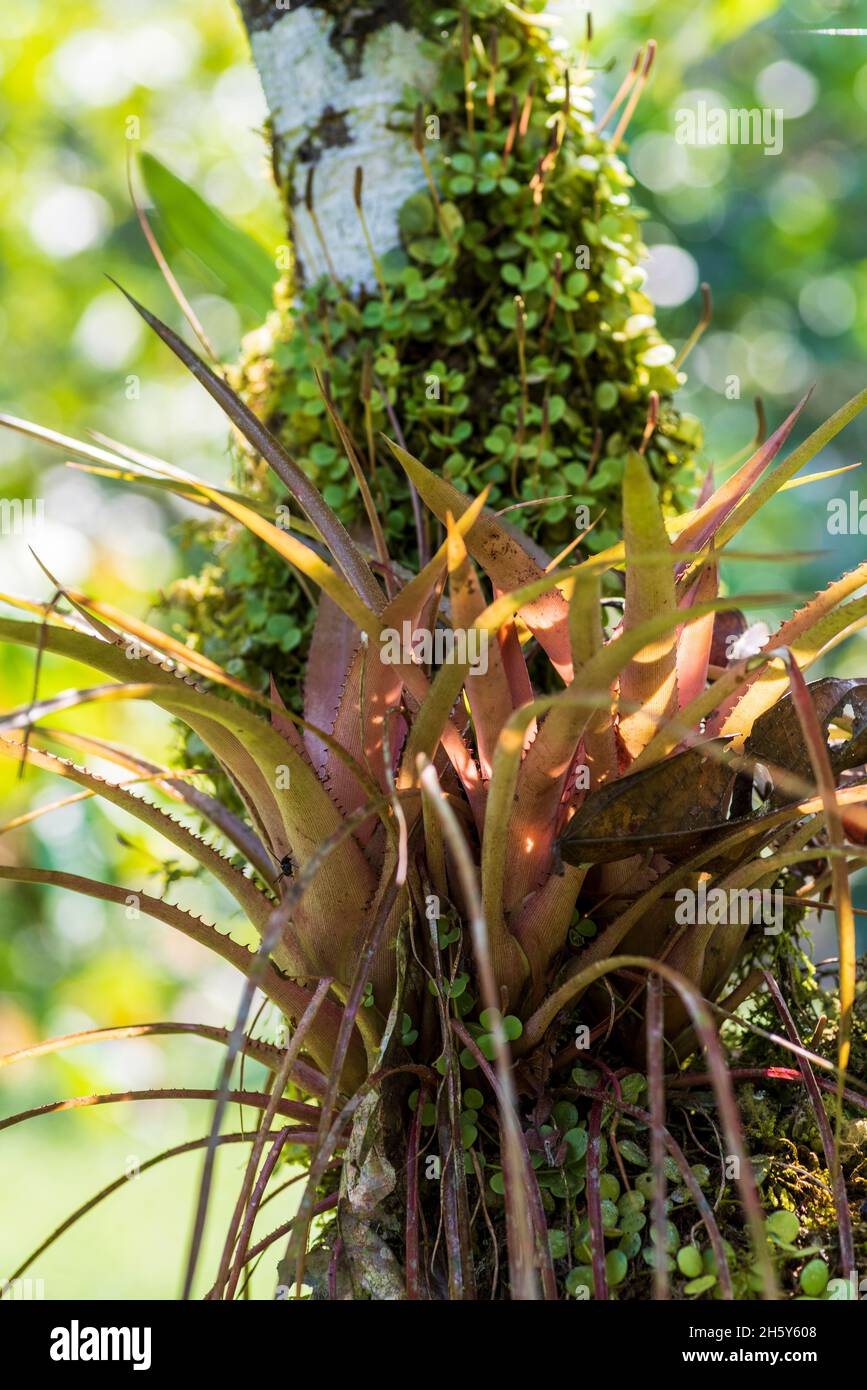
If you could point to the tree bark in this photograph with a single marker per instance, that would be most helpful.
(331, 74)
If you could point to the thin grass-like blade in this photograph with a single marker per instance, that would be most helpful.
(294, 1109)
(269, 1054)
(822, 771)
(749, 687)
(118, 1185)
(236, 831)
(805, 634)
(656, 1090)
(540, 1021)
(785, 471)
(301, 817)
(522, 1241)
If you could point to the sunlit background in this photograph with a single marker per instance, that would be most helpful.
(84, 84)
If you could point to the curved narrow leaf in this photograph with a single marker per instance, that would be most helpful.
(117, 1186)
(299, 816)
(823, 773)
(243, 890)
(513, 841)
(694, 643)
(706, 521)
(333, 532)
(174, 786)
(809, 633)
(242, 264)
(785, 471)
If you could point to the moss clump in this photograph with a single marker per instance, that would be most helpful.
(509, 339)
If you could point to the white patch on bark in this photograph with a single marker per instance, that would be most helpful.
(303, 74)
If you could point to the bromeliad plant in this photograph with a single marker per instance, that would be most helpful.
(462, 888)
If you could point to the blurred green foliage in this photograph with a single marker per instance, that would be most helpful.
(76, 82)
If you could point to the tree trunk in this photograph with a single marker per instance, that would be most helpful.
(330, 73)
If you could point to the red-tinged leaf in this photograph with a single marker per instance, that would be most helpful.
(488, 691)
(783, 473)
(694, 642)
(732, 703)
(718, 507)
(375, 686)
(504, 559)
(371, 682)
(284, 726)
(707, 488)
(541, 922)
(524, 807)
(806, 634)
(514, 665)
(332, 650)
